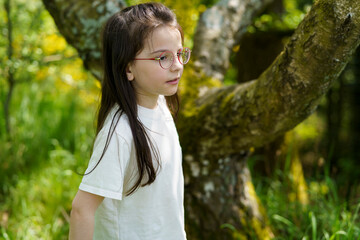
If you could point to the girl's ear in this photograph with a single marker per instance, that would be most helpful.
(129, 73)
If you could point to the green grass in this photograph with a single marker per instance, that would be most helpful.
(327, 216)
(51, 138)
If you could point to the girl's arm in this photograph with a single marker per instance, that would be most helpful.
(82, 216)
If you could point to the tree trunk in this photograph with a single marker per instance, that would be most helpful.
(228, 121)
(10, 70)
(80, 22)
(221, 193)
(219, 29)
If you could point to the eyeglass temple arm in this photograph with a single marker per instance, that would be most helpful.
(146, 58)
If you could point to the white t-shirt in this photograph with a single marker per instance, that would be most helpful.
(153, 212)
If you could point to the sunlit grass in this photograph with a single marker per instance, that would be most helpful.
(52, 141)
(40, 202)
(327, 216)
(51, 138)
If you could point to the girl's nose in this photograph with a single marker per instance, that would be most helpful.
(176, 65)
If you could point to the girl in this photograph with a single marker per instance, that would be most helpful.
(133, 187)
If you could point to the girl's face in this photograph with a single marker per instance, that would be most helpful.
(149, 79)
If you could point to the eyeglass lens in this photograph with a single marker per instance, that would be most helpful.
(167, 58)
(184, 55)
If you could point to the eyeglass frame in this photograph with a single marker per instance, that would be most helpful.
(178, 57)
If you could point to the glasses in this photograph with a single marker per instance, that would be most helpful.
(167, 58)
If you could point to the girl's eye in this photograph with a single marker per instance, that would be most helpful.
(162, 58)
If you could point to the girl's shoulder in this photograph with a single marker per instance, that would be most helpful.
(164, 107)
(119, 122)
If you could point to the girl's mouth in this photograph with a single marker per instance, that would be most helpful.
(174, 81)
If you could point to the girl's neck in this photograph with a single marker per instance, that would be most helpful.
(147, 102)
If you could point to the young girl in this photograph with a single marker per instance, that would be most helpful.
(133, 187)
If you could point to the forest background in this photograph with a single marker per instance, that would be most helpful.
(47, 127)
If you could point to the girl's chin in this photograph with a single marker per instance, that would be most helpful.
(170, 93)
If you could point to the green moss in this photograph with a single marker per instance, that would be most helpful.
(193, 84)
(262, 231)
(226, 103)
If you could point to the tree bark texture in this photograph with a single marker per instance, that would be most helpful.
(80, 22)
(251, 114)
(229, 120)
(219, 193)
(219, 29)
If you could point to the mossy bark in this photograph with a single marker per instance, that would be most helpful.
(219, 194)
(242, 116)
(219, 29)
(80, 22)
(227, 121)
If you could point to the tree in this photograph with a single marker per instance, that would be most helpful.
(10, 69)
(22, 58)
(225, 122)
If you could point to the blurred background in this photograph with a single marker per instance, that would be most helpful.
(307, 179)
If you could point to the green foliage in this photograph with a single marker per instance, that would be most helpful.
(26, 40)
(326, 217)
(329, 214)
(52, 114)
(294, 12)
(53, 140)
(40, 202)
(187, 13)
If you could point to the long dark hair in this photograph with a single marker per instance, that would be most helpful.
(122, 38)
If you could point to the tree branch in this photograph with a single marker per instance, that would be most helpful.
(254, 113)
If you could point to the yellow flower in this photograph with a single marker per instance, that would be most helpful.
(53, 43)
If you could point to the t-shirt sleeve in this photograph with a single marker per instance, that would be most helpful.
(107, 179)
